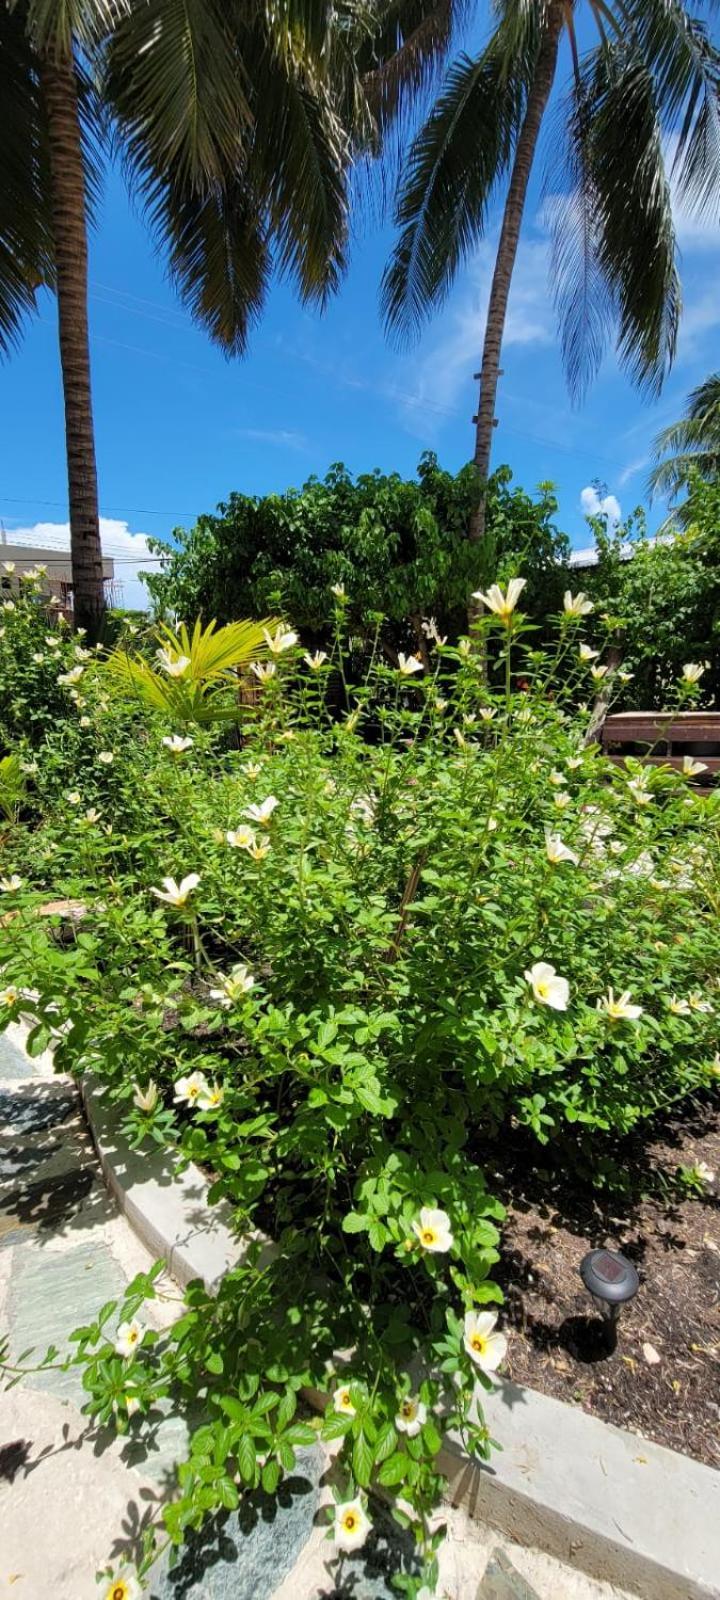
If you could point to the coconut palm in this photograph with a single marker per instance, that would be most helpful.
(650, 80)
(691, 445)
(237, 121)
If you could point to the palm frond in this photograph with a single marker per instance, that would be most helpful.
(580, 293)
(692, 444)
(217, 249)
(59, 26)
(452, 170)
(685, 65)
(26, 241)
(298, 163)
(634, 241)
(398, 59)
(174, 80)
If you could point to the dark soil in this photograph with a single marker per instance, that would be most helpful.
(556, 1340)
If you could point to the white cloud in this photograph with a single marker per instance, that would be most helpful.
(284, 438)
(592, 505)
(632, 469)
(438, 376)
(128, 550)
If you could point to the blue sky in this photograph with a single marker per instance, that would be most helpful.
(179, 427)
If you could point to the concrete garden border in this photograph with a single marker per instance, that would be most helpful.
(613, 1504)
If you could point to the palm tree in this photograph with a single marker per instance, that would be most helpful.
(689, 446)
(653, 75)
(237, 122)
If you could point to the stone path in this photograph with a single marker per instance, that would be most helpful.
(73, 1498)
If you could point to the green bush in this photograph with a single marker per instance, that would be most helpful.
(398, 546)
(664, 603)
(329, 967)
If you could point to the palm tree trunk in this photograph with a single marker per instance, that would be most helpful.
(507, 249)
(68, 200)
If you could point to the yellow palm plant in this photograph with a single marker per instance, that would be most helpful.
(194, 670)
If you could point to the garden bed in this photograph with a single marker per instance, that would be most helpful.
(555, 1340)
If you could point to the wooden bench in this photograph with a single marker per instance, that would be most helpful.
(664, 738)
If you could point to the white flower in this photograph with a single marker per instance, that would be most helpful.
(562, 799)
(9, 996)
(692, 671)
(547, 986)
(91, 816)
(146, 1099)
(411, 1417)
(252, 769)
(637, 788)
(586, 654)
(188, 1090)
(238, 982)
(125, 1585)
(8, 605)
(625, 676)
(598, 672)
(573, 762)
(264, 811)
(407, 665)
(177, 894)
(706, 1174)
(460, 737)
(260, 849)
(176, 744)
(175, 665)
(211, 1097)
(351, 1526)
(315, 661)
(106, 757)
(82, 655)
(129, 1337)
(73, 676)
(486, 713)
(680, 1008)
(692, 768)
(556, 851)
(242, 838)
(74, 797)
(502, 604)
(619, 1010)
(465, 647)
(8, 566)
(38, 657)
(577, 605)
(433, 1230)
(699, 1004)
(263, 670)
(339, 591)
(85, 722)
(283, 639)
(558, 778)
(342, 1402)
(431, 631)
(485, 1347)
(363, 806)
(9, 885)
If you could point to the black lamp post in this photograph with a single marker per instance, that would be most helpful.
(612, 1281)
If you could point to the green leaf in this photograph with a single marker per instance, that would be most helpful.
(355, 1222)
(246, 1458)
(214, 1363)
(385, 1442)
(363, 1459)
(393, 1471)
(270, 1476)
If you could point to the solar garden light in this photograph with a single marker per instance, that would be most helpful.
(611, 1282)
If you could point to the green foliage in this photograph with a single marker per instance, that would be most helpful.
(41, 668)
(665, 601)
(398, 546)
(195, 671)
(336, 1007)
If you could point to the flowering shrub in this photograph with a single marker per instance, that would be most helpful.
(330, 966)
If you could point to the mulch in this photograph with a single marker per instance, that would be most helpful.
(663, 1379)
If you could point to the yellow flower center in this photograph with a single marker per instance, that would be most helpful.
(428, 1237)
(542, 989)
(407, 1410)
(478, 1343)
(350, 1521)
(119, 1591)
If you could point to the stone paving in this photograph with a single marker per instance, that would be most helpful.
(73, 1498)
